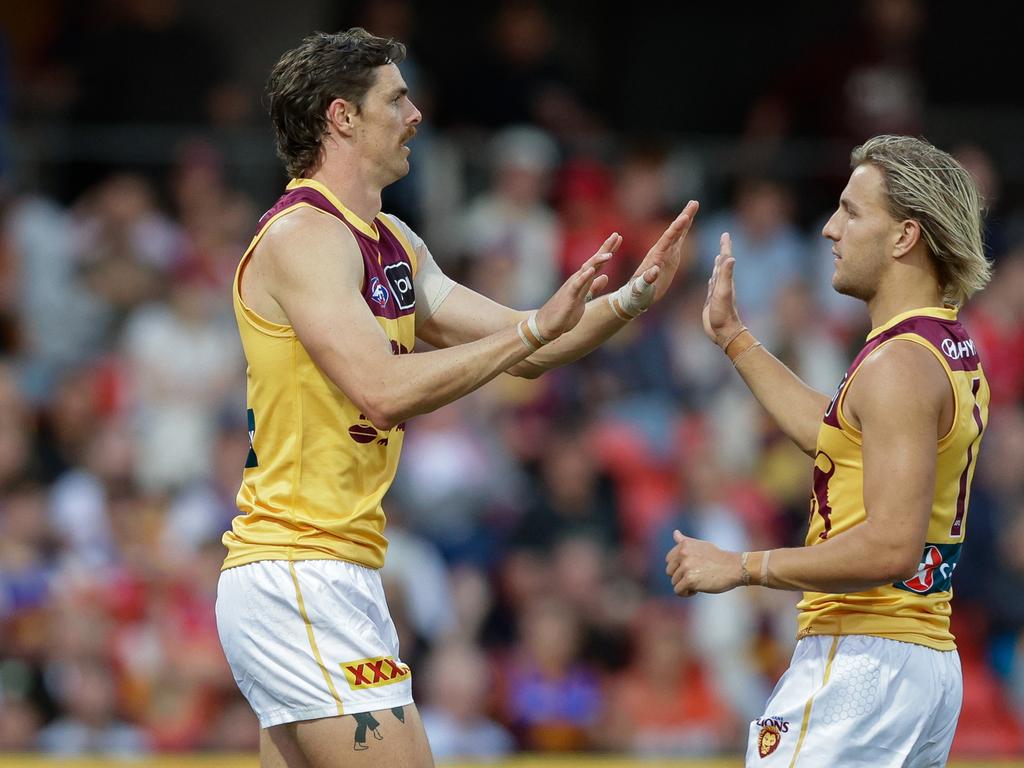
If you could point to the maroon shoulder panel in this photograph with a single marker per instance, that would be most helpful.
(388, 280)
(948, 336)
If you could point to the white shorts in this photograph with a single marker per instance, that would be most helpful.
(310, 639)
(855, 700)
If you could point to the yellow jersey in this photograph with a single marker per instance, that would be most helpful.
(317, 469)
(916, 610)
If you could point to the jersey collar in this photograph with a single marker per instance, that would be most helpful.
(939, 313)
(370, 230)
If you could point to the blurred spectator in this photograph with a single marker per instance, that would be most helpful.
(185, 366)
(415, 576)
(90, 723)
(769, 249)
(201, 511)
(572, 498)
(998, 232)
(518, 77)
(61, 322)
(455, 706)
(996, 321)
(867, 80)
(69, 420)
(455, 475)
(216, 219)
(665, 703)
(124, 244)
(722, 628)
(551, 699)
(510, 232)
(80, 498)
(16, 459)
(799, 338)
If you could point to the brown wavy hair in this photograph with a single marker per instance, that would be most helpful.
(306, 79)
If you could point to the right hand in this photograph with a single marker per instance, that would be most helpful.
(564, 310)
(721, 319)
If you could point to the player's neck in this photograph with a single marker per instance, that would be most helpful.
(353, 187)
(896, 299)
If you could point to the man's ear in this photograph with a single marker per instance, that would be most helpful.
(908, 234)
(340, 114)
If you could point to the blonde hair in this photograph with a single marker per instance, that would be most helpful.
(928, 185)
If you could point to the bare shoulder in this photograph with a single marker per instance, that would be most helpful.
(304, 254)
(897, 380)
(307, 231)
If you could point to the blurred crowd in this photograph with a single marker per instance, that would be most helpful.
(529, 521)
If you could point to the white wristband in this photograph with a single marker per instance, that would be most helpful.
(632, 299)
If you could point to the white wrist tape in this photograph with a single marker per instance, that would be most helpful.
(529, 333)
(632, 299)
(531, 323)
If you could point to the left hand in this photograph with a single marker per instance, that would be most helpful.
(667, 253)
(700, 566)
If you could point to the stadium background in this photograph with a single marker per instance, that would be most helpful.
(530, 521)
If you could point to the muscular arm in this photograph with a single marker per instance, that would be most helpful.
(795, 407)
(466, 315)
(900, 399)
(314, 272)
(792, 404)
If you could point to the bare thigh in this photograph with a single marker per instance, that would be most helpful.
(381, 739)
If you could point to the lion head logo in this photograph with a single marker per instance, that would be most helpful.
(768, 740)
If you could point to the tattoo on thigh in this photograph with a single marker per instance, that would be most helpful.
(365, 721)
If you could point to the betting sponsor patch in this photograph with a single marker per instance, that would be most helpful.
(935, 572)
(372, 673)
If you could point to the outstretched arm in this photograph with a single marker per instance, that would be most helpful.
(898, 399)
(466, 315)
(795, 407)
(314, 272)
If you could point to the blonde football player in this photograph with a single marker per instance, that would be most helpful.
(875, 679)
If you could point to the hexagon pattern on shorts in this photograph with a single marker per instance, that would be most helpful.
(854, 688)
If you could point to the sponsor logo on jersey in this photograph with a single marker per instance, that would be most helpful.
(935, 572)
(824, 469)
(770, 735)
(400, 279)
(955, 350)
(251, 460)
(364, 432)
(375, 672)
(378, 292)
(835, 396)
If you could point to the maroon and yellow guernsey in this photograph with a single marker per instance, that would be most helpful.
(916, 610)
(317, 468)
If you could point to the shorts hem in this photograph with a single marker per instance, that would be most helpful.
(282, 716)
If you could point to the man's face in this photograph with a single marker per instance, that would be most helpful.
(863, 234)
(385, 122)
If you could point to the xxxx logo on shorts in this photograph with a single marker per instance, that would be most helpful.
(371, 673)
(770, 735)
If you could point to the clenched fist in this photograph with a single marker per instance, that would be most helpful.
(699, 566)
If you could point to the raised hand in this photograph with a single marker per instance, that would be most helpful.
(699, 566)
(667, 253)
(564, 309)
(721, 319)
